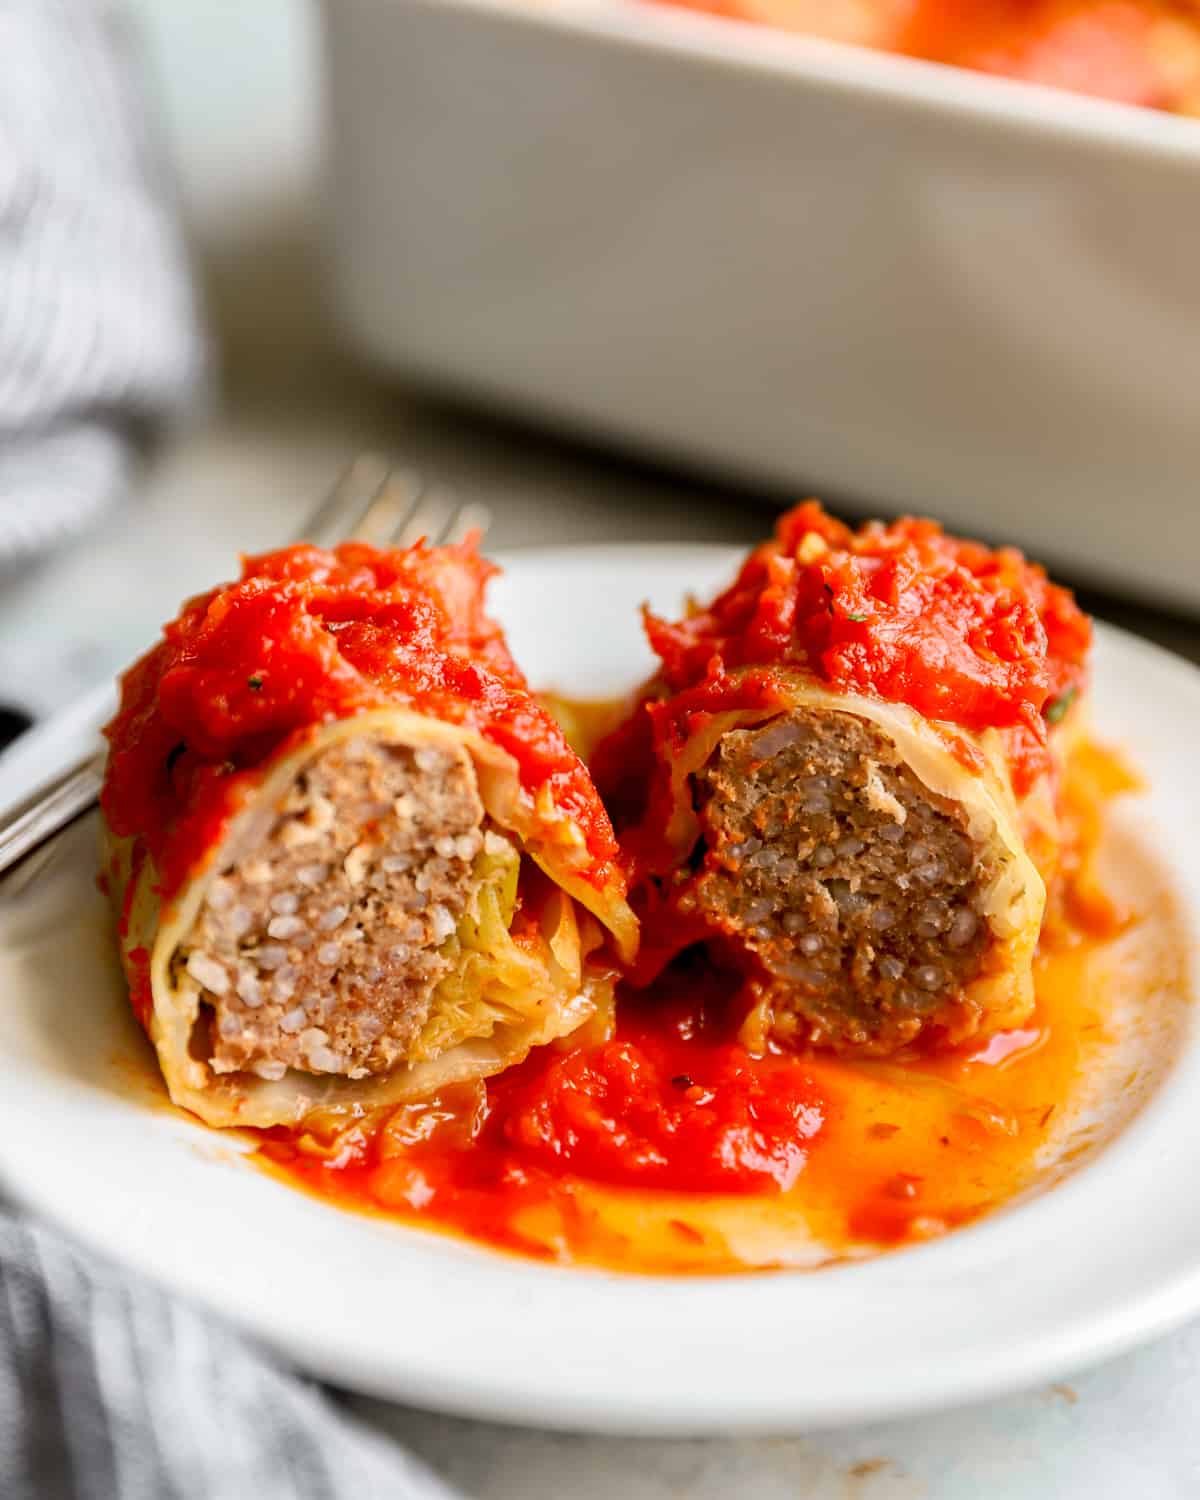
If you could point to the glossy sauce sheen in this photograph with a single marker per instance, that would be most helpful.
(667, 1147)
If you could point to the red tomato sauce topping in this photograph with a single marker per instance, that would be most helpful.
(972, 637)
(304, 637)
(672, 1103)
(1142, 52)
(141, 991)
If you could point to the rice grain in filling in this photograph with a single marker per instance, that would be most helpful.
(320, 950)
(854, 889)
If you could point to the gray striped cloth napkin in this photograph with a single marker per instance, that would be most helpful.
(111, 1390)
(99, 338)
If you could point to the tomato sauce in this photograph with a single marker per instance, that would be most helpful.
(304, 637)
(141, 990)
(666, 1146)
(673, 1101)
(1141, 52)
(966, 635)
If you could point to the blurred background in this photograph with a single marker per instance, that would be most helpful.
(236, 94)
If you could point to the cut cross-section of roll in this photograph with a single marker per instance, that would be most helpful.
(878, 883)
(877, 871)
(353, 907)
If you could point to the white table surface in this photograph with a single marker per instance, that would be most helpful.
(289, 414)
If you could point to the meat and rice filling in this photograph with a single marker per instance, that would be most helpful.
(856, 888)
(320, 950)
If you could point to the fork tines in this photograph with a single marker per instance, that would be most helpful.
(390, 507)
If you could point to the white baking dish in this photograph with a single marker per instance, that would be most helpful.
(786, 260)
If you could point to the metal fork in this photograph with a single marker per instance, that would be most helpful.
(371, 502)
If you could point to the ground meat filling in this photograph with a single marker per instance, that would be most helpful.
(855, 887)
(319, 951)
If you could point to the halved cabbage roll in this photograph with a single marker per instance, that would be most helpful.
(843, 782)
(354, 860)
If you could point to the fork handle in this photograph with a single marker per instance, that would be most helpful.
(49, 811)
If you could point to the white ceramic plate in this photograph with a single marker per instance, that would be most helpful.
(1110, 1256)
